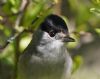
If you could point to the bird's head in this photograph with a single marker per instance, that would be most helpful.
(55, 28)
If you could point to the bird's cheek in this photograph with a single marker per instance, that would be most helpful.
(57, 37)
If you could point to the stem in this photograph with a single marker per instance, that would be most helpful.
(16, 57)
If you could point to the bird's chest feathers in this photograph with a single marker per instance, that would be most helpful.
(49, 44)
(52, 47)
(52, 51)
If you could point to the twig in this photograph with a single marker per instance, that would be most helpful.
(10, 40)
(22, 8)
(4, 46)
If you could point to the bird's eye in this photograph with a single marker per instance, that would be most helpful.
(52, 33)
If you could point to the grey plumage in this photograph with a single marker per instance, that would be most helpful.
(45, 58)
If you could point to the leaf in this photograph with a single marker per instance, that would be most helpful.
(97, 30)
(1, 18)
(77, 62)
(12, 2)
(32, 13)
(95, 11)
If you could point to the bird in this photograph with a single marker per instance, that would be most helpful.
(46, 56)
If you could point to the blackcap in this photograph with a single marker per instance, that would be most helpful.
(46, 57)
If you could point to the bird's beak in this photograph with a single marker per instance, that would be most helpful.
(66, 37)
(69, 39)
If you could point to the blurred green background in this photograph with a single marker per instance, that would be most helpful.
(20, 18)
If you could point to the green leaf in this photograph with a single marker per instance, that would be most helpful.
(12, 2)
(41, 19)
(1, 27)
(97, 30)
(1, 18)
(32, 13)
(77, 62)
(24, 42)
(95, 11)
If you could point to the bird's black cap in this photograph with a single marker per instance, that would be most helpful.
(53, 24)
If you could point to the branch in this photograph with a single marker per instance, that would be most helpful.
(4, 46)
(22, 8)
(10, 40)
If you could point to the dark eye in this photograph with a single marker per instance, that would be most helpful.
(52, 33)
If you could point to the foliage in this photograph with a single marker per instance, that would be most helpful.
(19, 19)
